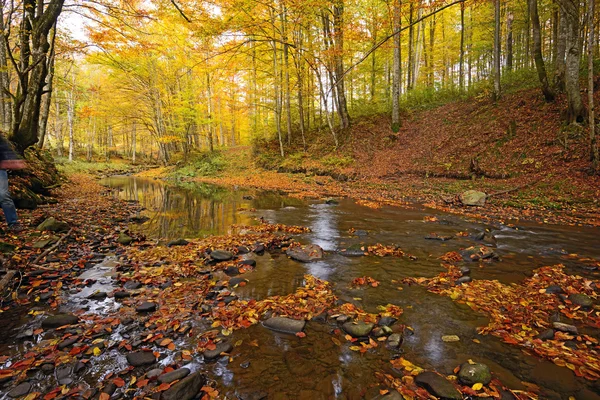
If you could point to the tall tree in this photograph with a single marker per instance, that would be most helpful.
(496, 49)
(537, 51)
(591, 113)
(397, 67)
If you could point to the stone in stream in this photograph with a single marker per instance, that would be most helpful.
(387, 321)
(435, 236)
(358, 329)
(58, 320)
(47, 368)
(178, 242)
(307, 253)
(68, 342)
(380, 331)
(548, 334)
(121, 294)
(7, 247)
(236, 281)
(52, 224)
(20, 390)
(174, 375)
(394, 341)
(223, 347)
(26, 334)
(464, 270)
(438, 386)
(331, 201)
(221, 255)
(232, 271)
(124, 239)
(582, 300)
(471, 374)
(146, 306)
(565, 327)
(285, 325)
(554, 289)
(109, 389)
(97, 296)
(463, 279)
(355, 250)
(259, 249)
(132, 285)
(476, 253)
(140, 358)
(249, 262)
(154, 373)
(243, 250)
(472, 198)
(63, 374)
(185, 389)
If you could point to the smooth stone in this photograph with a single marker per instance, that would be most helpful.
(121, 294)
(355, 250)
(124, 239)
(20, 390)
(236, 281)
(139, 358)
(438, 386)
(464, 270)
(243, 250)
(54, 225)
(476, 253)
(554, 289)
(394, 341)
(154, 373)
(178, 242)
(548, 334)
(582, 300)
(249, 262)
(186, 389)
(221, 255)
(471, 374)
(565, 327)
(285, 325)
(472, 198)
(463, 279)
(223, 347)
(146, 306)
(26, 334)
(67, 342)
(63, 374)
(132, 285)
(305, 253)
(361, 232)
(358, 329)
(58, 320)
(98, 296)
(435, 236)
(110, 388)
(232, 271)
(174, 375)
(47, 368)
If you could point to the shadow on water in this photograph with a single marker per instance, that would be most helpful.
(315, 367)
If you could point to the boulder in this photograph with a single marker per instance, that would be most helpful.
(52, 224)
(438, 386)
(140, 358)
(305, 253)
(472, 198)
(221, 255)
(186, 389)
(358, 329)
(55, 321)
(174, 375)
(285, 325)
(471, 374)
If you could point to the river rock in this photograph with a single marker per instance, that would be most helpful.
(476, 253)
(435, 236)
(97, 296)
(355, 250)
(358, 329)
(132, 285)
(139, 358)
(20, 390)
(236, 281)
(7, 247)
(47, 368)
(110, 388)
(472, 198)
(471, 374)
(174, 375)
(124, 239)
(54, 225)
(63, 374)
(565, 327)
(186, 389)
(55, 321)
(548, 334)
(249, 262)
(554, 289)
(307, 253)
(178, 242)
(221, 255)
(67, 342)
(232, 271)
(285, 325)
(438, 386)
(243, 250)
(582, 300)
(154, 373)
(387, 321)
(463, 279)
(394, 341)
(146, 306)
(223, 347)
(121, 294)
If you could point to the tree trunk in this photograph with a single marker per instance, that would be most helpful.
(537, 51)
(461, 72)
(509, 40)
(591, 110)
(133, 142)
(338, 34)
(561, 52)
(47, 96)
(497, 50)
(410, 47)
(397, 67)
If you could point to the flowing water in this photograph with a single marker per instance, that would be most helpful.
(284, 366)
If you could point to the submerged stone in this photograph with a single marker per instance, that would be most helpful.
(471, 374)
(285, 325)
(223, 347)
(140, 358)
(221, 255)
(174, 375)
(307, 253)
(358, 329)
(58, 320)
(438, 386)
(186, 389)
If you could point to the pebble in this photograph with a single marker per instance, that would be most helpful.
(174, 375)
(146, 306)
(139, 358)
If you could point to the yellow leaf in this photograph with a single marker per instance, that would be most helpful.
(97, 351)
(477, 386)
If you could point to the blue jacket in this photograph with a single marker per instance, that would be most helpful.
(6, 150)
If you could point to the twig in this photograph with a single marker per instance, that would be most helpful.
(51, 249)
(6, 280)
(511, 190)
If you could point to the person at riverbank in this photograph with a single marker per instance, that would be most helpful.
(8, 160)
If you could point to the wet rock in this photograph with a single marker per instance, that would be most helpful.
(109, 389)
(380, 331)
(232, 271)
(132, 285)
(249, 262)
(47, 368)
(98, 296)
(79, 366)
(477, 236)
(146, 306)
(26, 334)
(435, 236)
(358, 329)
(464, 270)
(387, 321)
(463, 279)
(124, 239)
(223, 347)
(570, 344)
(121, 294)
(67, 342)
(438, 386)
(45, 296)
(582, 300)
(548, 334)
(63, 374)
(229, 299)
(361, 232)
(221, 255)
(331, 201)
(392, 395)
(305, 253)
(236, 281)
(476, 253)
(565, 327)
(243, 250)
(259, 249)
(140, 358)
(245, 364)
(154, 373)
(355, 250)
(174, 375)
(166, 284)
(285, 325)
(178, 242)
(394, 341)
(471, 374)
(55, 321)
(554, 289)
(20, 390)
(54, 225)
(472, 198)
(342, 319)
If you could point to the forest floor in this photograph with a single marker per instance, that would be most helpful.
(530, 166)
